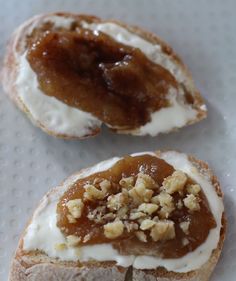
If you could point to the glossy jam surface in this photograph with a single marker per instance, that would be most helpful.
(89, 70)
(200, 222)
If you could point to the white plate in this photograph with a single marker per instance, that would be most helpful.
(203, 33)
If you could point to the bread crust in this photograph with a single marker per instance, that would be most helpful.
(16, 46)
(38, 266)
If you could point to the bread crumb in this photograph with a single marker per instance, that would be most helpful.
(163, 230)
(185, 226)
(175, 182)
(191, 202)
(147, 224)
(148, 208)
(75, 208)
(114, 229)
(141, 236)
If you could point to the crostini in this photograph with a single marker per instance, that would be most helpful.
(145, 216)
(70, 73)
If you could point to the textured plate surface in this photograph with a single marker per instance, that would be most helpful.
(203, 33)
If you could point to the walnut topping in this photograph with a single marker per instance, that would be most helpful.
(136, 205)
(179, 204)
(71, 219)
(136, 215)
(175, 182)
(127, 182)
(122, 212)
(166, 202)
(115, 202)
(92, 193)
(141, 236)
(146, 181)
(148, 208)
(75, 208)
(185, 226)
(131, 226)
(163, 230)
(185, 241)
(114, 229)
(140, 194)
(193, 189)
(105, 186)
(73, 240)
(147, 224)
(191, 202)
(87, 237)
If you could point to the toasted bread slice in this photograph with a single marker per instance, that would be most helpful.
(186, 106)
(36, 258)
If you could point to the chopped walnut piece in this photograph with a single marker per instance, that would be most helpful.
(147, 224)
(191, 202)
(163, 230)
(145, 180)
(131, 226)
(87, 237)
(127, 182)
(185, 241)
(135, 196)
(75, 208)
(141, 236)
(140, 193)
(105, 186)
(136, 215)
(166, 202)
(115, 202)
(185, 226)
(175, 182)
(193, 189)
(108, 216)
(114, 229)
(122, 212)
(71, 219)
(73, 240)
(92, 193)
(179, 204)
(148, 208)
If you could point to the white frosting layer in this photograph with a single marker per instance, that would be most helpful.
(164, 120)
(53, 114)
(43, 234)
(63, 119)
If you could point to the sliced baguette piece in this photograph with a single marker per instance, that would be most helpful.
(61, 120)
(37, 265)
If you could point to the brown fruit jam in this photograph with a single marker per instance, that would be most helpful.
(90, 71)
